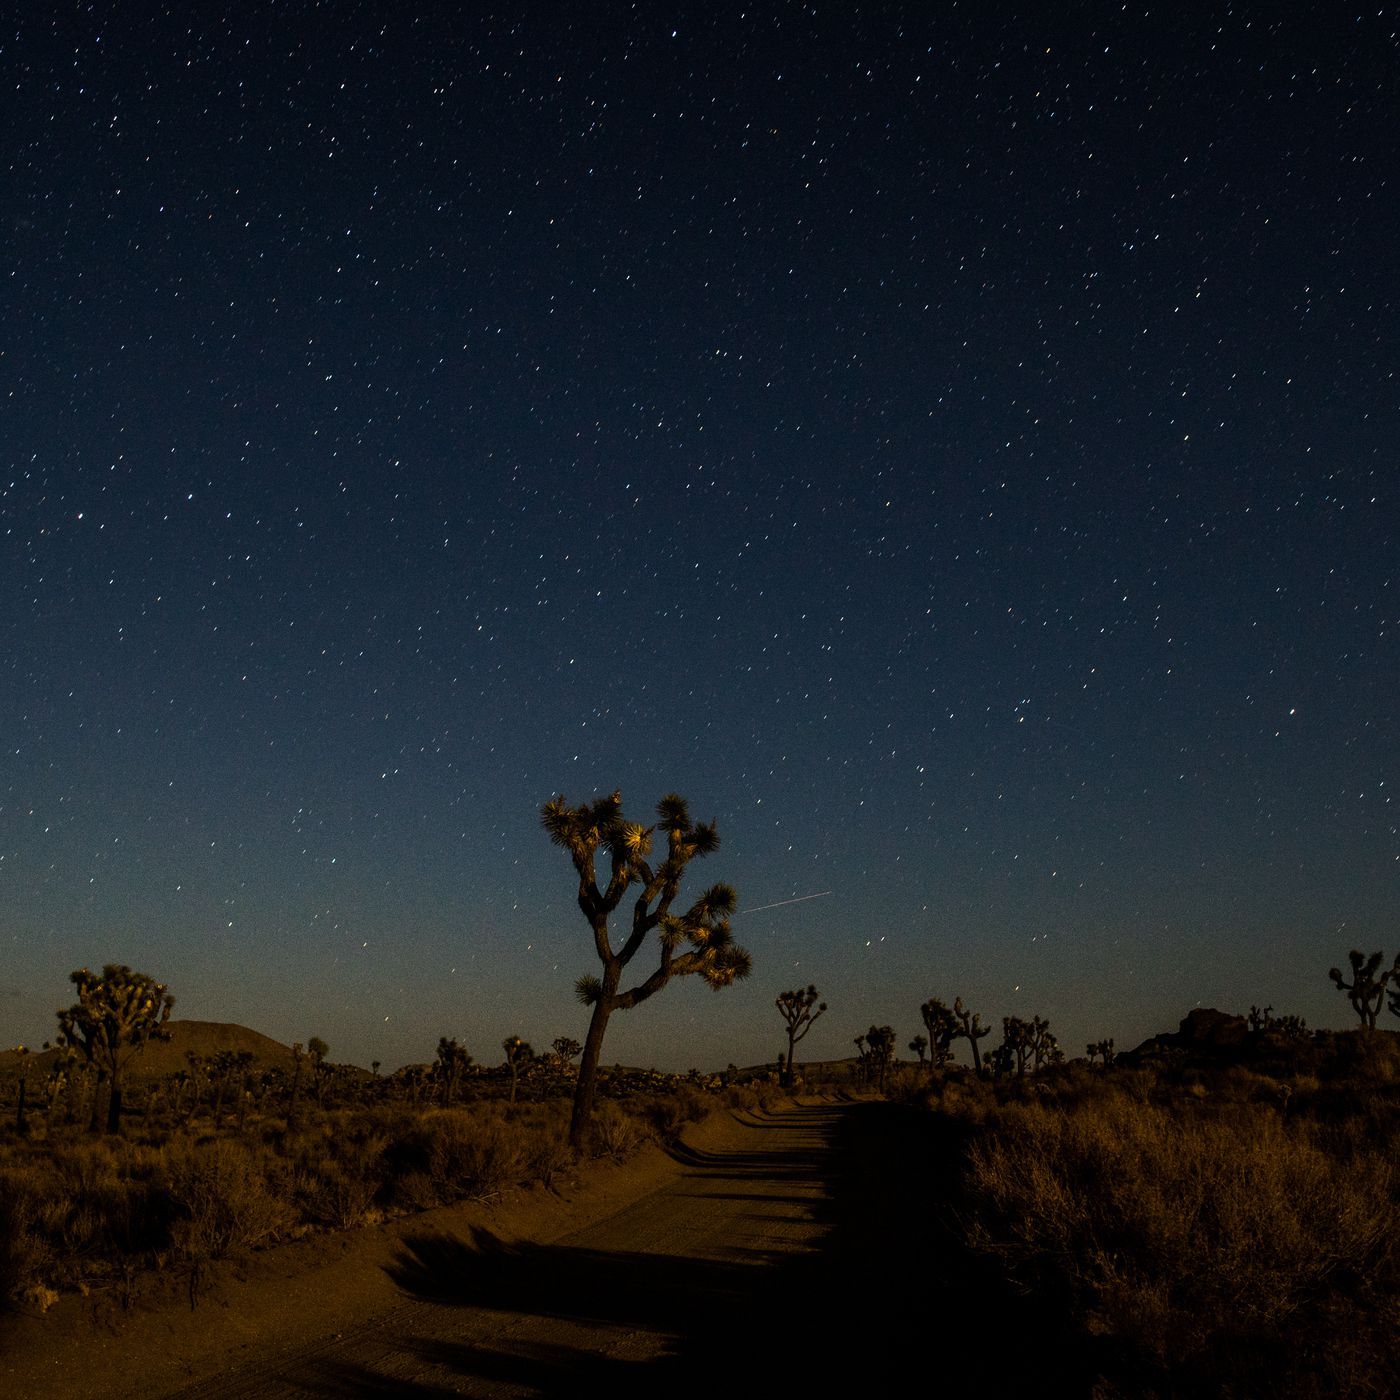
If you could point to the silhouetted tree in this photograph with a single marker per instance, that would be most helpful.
(798, 1013)
(566, 1048)
(452, 1059)
(320, 1076)
(942, 1028)
(1365, 990)
(879, 1041)
(518, 1051)
(114, 1017)
(919, 1045)
(1016, 1039)
(597, 828)
(971, 1029)
(1102, 1048)
(21, 1125)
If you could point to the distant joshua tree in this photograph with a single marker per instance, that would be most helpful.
(21, 1125)
(971, 1029)
(879, 1042)
(599, 828)
(518, 1051)
(109, 1025)
(799, 1009)
(452, 1060)
(919, 1045)
(943, 1029)
(1366, 990)
(566, 1048)
(1103, 1049)
(320, 1070)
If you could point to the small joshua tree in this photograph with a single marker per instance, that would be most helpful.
(971, 1029)
(1102, 1048)
(919, 1045)
(1365, 990)
(599, 829)
(799, 1009)
(518, 1051)
(566, 1048)
(115, 1015)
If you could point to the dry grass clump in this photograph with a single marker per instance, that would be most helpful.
(1211, 1242)
(223, 1201)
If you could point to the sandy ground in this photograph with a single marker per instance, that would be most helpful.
(625, 1280)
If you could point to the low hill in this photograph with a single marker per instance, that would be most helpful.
(162, 1057)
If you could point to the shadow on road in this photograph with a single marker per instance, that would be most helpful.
(888, 1292)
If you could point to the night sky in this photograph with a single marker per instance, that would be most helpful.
(955, 447)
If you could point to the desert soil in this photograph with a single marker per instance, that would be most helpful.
(654, 1276)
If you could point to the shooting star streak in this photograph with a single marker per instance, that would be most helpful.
(759, 908)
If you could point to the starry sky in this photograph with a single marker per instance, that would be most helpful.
(953, 445)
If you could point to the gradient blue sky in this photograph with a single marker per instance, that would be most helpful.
(955, 447)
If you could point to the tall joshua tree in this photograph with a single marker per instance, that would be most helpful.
(113, 1018)
(599, 828)
(1366, 989)
(798, 1009)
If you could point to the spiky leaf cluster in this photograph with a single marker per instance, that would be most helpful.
(601, 841)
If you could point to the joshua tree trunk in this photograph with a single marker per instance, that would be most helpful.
(114, 1106)
(580, 1124)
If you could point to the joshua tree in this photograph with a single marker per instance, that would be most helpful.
(1103, 1048)
(879, 1041)
(797, 1010)
(599, 827)
(942, 1027)
(452, 1059)
(919, 1045)
(518, 1051)
(320, 1070)
(971, 1029)
(1044, 1047)
(1016, 1040)
(566, 1048)
(1365, 990)
(863, 1062)
(21, 1126)
(113, 1018)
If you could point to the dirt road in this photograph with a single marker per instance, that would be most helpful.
(641, 1299)
(800, 1252)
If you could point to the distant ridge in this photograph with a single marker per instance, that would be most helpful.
(162, 1057)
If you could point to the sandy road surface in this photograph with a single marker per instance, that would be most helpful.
(623, 1304)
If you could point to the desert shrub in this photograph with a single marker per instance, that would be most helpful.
(222, 1200)
(665, 1115)
(548, 1155)
(461, 1152)
(1194, 1236)
(615, 1133)
(24, 1253)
